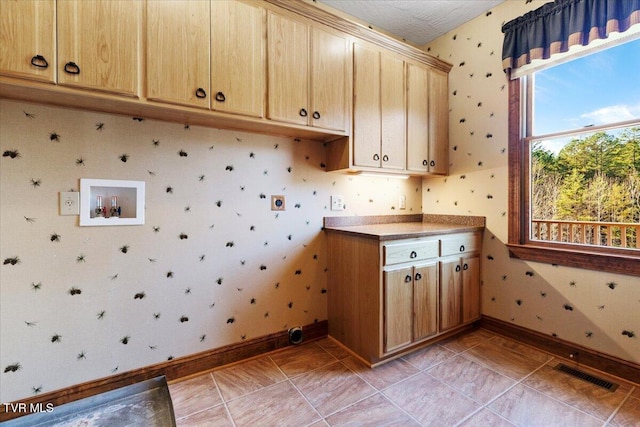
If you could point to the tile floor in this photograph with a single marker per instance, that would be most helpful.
(475, 379)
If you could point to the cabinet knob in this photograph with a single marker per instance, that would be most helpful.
(376, 157)
(303, 112)
(316, 115)
(407, 278)
(220, 97)
(465, 266)
(385, 158)
(432, 163)
(201, 93)
(458, 268)
(462, 248)
(39, 61)
(425, 163)
(413, 254)
(418, 276)
(71, 68)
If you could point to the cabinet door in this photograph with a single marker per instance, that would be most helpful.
(27, 39)
(366, 107)
(470, 289)
(398, 308)
(288, 69)
(99, 44)
(438, 122)
(425, 301)
(450, 294)
(392, 107)
(328, 79)
(238, 67)
(178, 52)
(417, 118)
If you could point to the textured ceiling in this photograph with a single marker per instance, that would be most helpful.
(416, 21)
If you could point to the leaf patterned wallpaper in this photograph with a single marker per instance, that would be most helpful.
(211, 266)
(594, 309)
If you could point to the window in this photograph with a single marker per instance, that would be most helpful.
(574, 142)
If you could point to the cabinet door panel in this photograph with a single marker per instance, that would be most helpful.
(417, 118)
(28, 29)
(288, 69)
(328, 79)
(398, 308)
(392, 100)
(450, 294)
(99, 44)
(366, 107)
(470, 289)
(178, 52)
(438, 122)
(425, 301)
(238, 66)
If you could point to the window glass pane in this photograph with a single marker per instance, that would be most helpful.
(586, 189)
(594, 90)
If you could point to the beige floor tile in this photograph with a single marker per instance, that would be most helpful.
(213, 417)
(636, 392)
(382, 376)
(467, 340)
(522, 349)
(333, 348)
(502, 360)
(246, 377)
(332, 387)
(486, 418)
(429, 356)
(374, 411)
(278, 405)
(471, 379)
(297, 360)
(578, 393)
(194, 395)
(526, 407)
(431, 402)
(628, 415)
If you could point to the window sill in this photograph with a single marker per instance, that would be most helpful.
(622, 262)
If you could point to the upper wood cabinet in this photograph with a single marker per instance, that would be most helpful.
(177, 39)
(99, 45)
(28, 39)
(378, 109)
(307, 74)
(238, 68)
(438, 122)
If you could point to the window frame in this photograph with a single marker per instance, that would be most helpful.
(612, 260)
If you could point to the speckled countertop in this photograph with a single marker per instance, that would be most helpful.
(391, 227)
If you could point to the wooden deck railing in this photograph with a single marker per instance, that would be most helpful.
(612, 234)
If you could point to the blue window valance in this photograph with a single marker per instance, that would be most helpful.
(555, 26)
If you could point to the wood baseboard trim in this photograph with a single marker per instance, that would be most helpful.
(173, 369)
(561, 348)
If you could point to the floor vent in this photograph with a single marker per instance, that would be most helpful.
(587, 377)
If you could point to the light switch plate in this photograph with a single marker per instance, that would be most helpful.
(69, 203)
(402, 202)
(337, 203)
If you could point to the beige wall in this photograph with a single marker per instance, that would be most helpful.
(526, 294)
(231, 242)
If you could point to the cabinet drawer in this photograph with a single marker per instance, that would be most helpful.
(397, 253)
(457, 244)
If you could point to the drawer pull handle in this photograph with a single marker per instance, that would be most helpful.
(39, 61)
(220, 97)
(201, 93)
(316, 115)
(458, 268)
(303, 112)
(71, 68)
(461, 248)
(465, 267)
(418, 276)
(407, 278)
(413, 254)
(376, 157)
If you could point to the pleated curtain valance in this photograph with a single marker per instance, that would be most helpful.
(555, 26)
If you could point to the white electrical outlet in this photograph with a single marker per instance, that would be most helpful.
(402, 202)
(69, 203)
(337, 203)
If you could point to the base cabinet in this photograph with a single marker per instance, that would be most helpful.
(388, 297)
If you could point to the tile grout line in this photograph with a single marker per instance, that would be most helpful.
(617, 410)
(224, 401)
